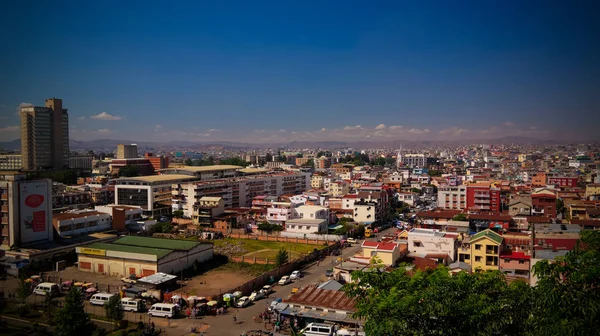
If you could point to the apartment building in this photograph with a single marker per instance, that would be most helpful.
(25, 211)
(11, 162)
(543, 203)
(554, 240)
(316, 181)
(45, 136)
(563, 181)
(322, 162)
(157, 162)
(81, 162)
(407, 197)
(485, 250)
(452, 197)
(483, 196)
(281, 212)
(339, 188)
(151, 193)
(207, 210)
(238, 191)
(127, 151)
(413, 160)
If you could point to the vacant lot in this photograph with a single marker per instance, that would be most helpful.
(260, 248)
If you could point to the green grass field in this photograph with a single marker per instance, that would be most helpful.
(271, 254)
(251, 247)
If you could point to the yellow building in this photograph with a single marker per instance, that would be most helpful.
(485, 250)
(387, 253)
(316, 182)
(592, 190)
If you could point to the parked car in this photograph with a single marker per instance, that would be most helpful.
(296, 275)
(284, 280)
(266, 290)
(257, 295)
(132, 278)
(352, 240)
(329, 273)
(243, 302)
(336, 252)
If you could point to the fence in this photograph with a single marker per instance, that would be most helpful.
(283, 239)
(282, 270)
(253, 260)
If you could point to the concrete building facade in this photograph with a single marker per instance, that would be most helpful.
(127, 151)
(25, 211)
(11, 162)
(45, 136)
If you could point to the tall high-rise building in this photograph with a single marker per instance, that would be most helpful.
(127, 151)
(45, 136)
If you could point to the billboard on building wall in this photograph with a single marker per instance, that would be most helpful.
(34, 210)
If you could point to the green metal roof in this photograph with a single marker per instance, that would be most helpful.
(488, 233)
(171, 244)
(130, 249)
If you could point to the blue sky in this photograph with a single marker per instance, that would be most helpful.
(268, 71)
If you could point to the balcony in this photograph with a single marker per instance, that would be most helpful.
(4, 197)
(5, 232)
(4, 208)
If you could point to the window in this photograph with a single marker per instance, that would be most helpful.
(478, 259)
(477, 246)
(417, 244)
(521, 262)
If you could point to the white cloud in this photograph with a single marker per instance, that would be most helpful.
(418, 131)
(396, 127)
(214, 130)
(103, 131)
(204, 134)
(10, 129)
(81, 118)
(158, 127)
(282, 131)
(455, 131)
(533, 128)
(105, 116)
(509, 124)
(353, 127)
(323, 129)
(380, 127)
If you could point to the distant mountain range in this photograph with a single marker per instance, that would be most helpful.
(109, 145)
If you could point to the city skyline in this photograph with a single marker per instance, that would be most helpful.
(271, 72)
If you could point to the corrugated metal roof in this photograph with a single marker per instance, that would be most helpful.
(313, 296)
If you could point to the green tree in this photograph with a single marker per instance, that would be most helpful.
(268, 227)
(560, 206)
(178, 213)
(165, 227)
(268, 157)
(433, 302)
(71, 319)
(460, 217)
(567, 300)
(129, 171)
(188, 162)
(309, 163)
(113, 311)
(282, 257)
(415, 190)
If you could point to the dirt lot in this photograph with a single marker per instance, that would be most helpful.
(215, 282)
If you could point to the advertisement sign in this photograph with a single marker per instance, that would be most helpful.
(34, 210)
(93, 251)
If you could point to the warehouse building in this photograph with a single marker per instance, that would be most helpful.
(142, 256)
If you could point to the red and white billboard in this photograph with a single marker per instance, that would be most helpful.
(34, 210)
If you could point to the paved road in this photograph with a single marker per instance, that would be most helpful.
(224, 324)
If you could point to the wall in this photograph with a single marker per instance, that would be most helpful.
(482, 253)
(287, 237)
(35, 211)
(432, 244)
(176, 261)
(514, 264)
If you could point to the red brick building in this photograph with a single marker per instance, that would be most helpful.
(543, 202)
(483, 196)
(157, 162)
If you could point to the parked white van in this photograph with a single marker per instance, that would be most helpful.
(47, 288)
(318, 329)
(101, 298)
(134, 305)
(163, 310)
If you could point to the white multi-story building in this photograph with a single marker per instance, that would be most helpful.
(413, 160)
(452, 197)
(10, 162)
(408, 197)
(238, 191)
(280, 212)
(312, 212)
(432, 243)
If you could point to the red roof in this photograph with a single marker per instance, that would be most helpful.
(380, 245)
(350, 196)
(491, 217)
(514, 255)
(447, 214)
(311, 295)
(586, 222)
